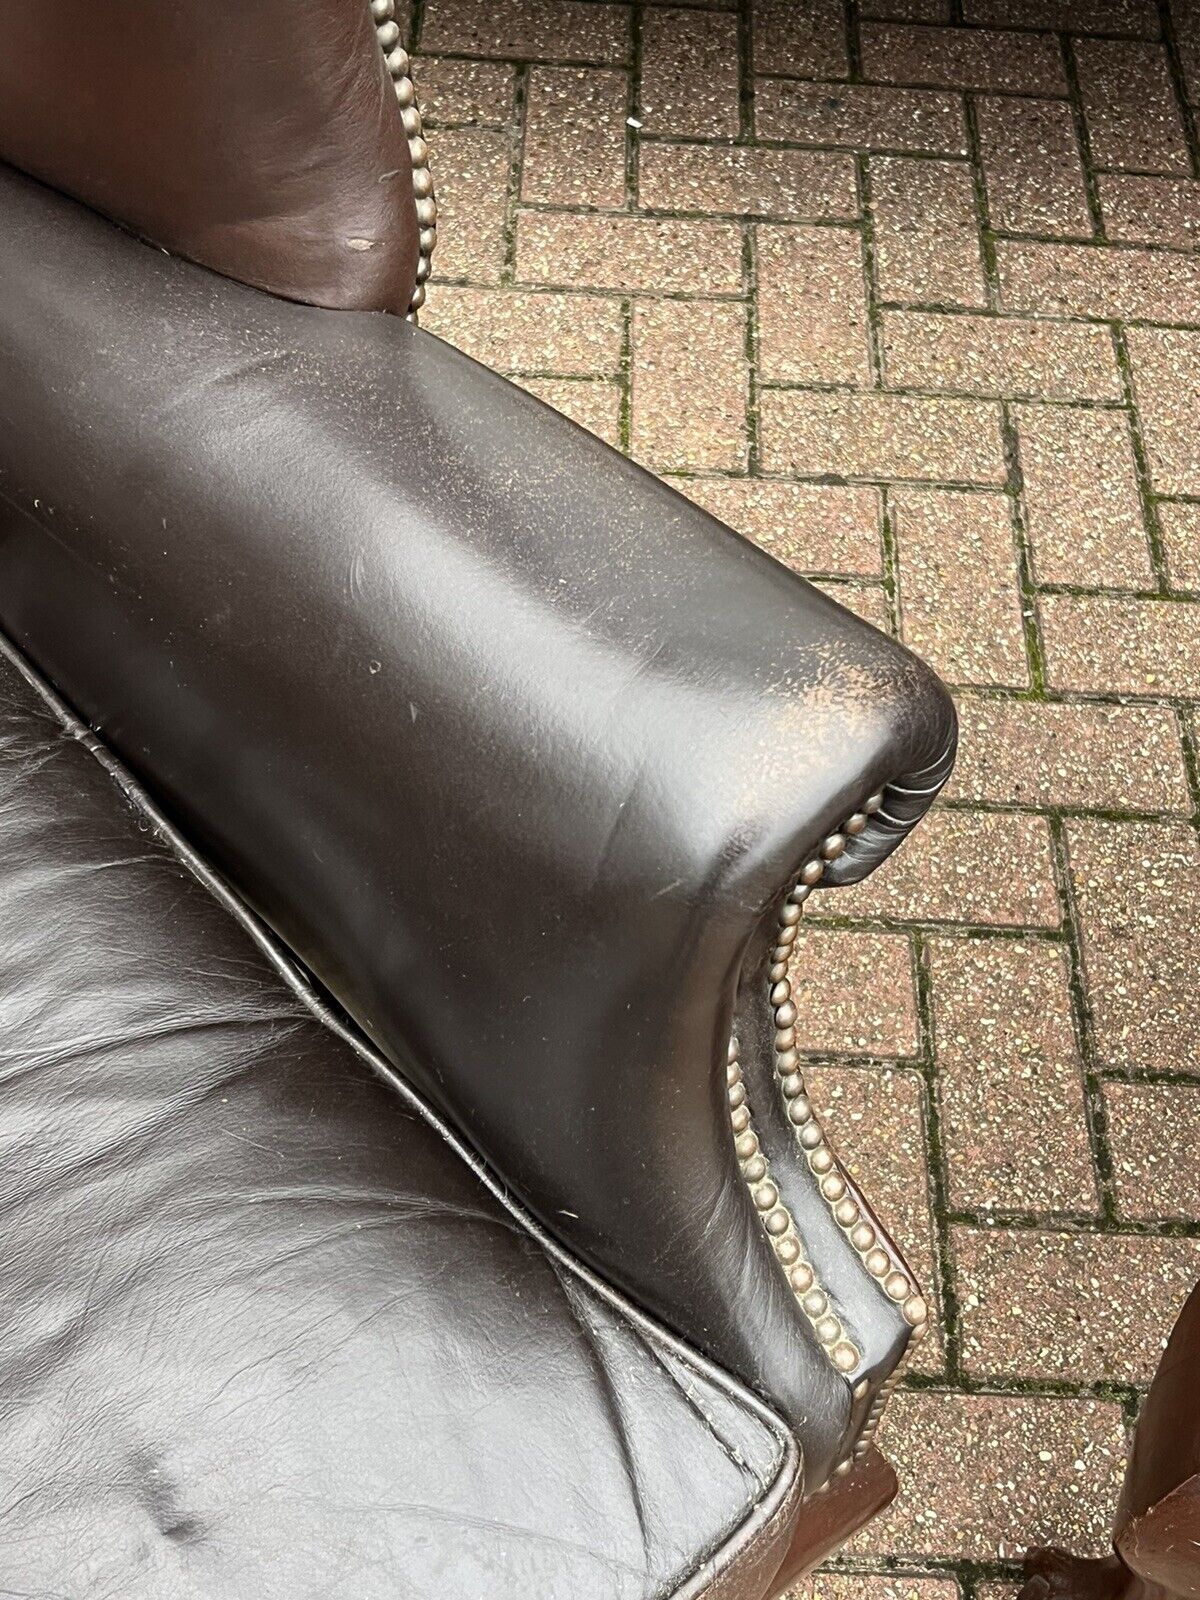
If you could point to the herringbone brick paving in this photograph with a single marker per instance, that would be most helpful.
(905, 290)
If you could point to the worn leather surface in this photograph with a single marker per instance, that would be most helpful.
(260, 138)
(513, 746)
(265, 1334)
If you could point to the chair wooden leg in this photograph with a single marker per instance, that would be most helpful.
(828, 1519)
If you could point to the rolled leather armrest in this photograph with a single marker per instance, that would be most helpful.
(520, 753)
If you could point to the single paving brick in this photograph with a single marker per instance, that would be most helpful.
(690, 385)
(1074, 1307)
(799, 185)
(983, 1477)
(574, 152)
(1084, 280)
(522, 30)
(809, 527)
(875, 1119)
(812, 305)
(959, 867)
(854, 993)
(594, 251)
(1154, 1133)
(1016, 357)
(1179, 524)
(530, 331)
(1014, 1129)
(690, 72)
(907, 10)
(959, 601)
(926, 232)
(1132, 114)
(858, 116)
(1138, 889)
(1112, 645)
(1031, 166)
(1141, 210)
(882, 436)
(472, 167)
(872, 1586)
(803, 41)
(956, 58)
(1038, 753)
(457, 93)
(1083, 507)
(591, 402)
(1166, 384)
(1067, 16)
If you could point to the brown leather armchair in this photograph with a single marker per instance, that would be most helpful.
(406, 809)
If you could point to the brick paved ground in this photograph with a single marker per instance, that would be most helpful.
(905, 290)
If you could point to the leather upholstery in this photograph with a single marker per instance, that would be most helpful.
(258, 137)
(266, 1336)
(514, 747)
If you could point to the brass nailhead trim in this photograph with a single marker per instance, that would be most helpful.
(383, 12)
(872, 1251)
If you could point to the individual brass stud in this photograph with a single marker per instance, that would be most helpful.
(813, 873)
(411, 118)
(397, 62)
(854, 825)
(785, 1039)
(896, 1286)
(816, 1303)
(811, 1137)
(821, 1161)
(790, 915)
(418, 298)
(874, 804)
(800, 893)
(861, 1389)
(778, 1222)
(779, 970)
(734, 1049)
(737, 1094)
(780, 992)
(786, 935)
(833, 1187)
(916, 1311)
(785, 1015)
(747, 1146)
(756, 1168)
(828, 1329)
(739, 1119)
(801, 1278)
(788, 1251)
(801, 1110)
(786, 1062)
(427, 211)
(792, 1085)
(878, 1263)
(765, 1196)
(388, 35)
(834, 846)
(406, 95)
(863, 1237)
(846, 1213)
(845, 1356)
(422, 183)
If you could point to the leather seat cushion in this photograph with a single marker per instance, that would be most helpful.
(266, 1333)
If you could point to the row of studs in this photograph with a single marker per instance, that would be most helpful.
(810, 1136)
(388, 32)
(781, 1228)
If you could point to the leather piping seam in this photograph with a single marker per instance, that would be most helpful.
(789, 1463)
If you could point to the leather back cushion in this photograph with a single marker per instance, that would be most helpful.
(258, 137)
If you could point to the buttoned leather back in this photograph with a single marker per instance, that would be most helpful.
(258, 137)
